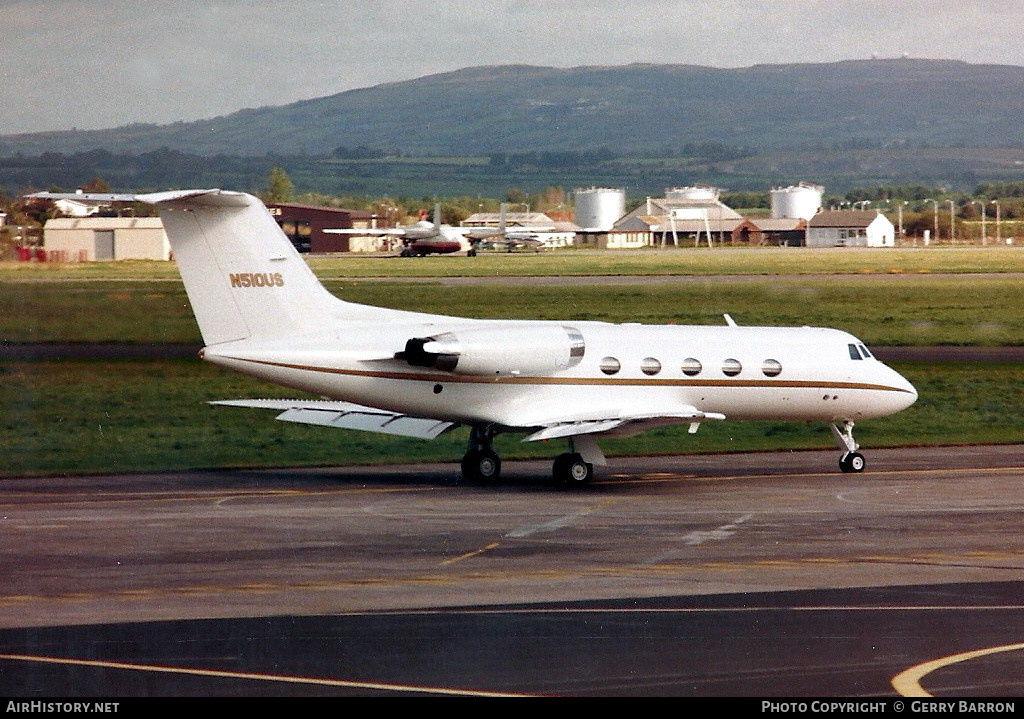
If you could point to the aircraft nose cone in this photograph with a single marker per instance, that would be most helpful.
(907, 393)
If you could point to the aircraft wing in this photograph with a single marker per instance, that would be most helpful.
(621, 425)
(346, 415)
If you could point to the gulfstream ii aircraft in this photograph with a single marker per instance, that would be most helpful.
(262, 311)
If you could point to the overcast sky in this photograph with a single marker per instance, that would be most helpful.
(104, 63)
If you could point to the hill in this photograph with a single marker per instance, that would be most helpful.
(637, 109)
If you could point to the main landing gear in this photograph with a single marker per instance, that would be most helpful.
(852, 460)
(571, 470)
(481, 464)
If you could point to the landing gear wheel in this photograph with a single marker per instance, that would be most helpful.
(852, 462)
(481, 465)
(570, 470)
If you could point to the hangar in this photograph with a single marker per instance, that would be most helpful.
(305, 225)
(90, 239)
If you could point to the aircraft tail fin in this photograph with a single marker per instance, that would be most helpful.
(242, 275)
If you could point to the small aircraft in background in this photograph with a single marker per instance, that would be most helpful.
(263, 312)
(504, 238)
(512, 241)
(425, 237)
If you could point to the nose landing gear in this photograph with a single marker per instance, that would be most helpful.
(852, 460)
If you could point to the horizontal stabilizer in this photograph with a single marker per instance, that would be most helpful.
(345, 415)
(211, 197)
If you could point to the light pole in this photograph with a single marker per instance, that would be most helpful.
(952, 222)
(999, 237)
(935, 207)
(899, 213)
(984, 235)
(981, 204)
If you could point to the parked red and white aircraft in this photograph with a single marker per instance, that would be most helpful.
(422, 238)
(263, 312)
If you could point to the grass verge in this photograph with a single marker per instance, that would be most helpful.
(958, 310)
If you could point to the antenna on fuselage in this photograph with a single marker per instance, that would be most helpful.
(730, 321)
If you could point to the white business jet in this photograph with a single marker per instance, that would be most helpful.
(262, 311)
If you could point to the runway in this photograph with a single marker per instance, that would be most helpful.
(707, 575)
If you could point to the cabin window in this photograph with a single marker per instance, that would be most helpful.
(731, 367)
(854, 352)
(650, 366)
(771, 368)
(610, 365)
(692, 367)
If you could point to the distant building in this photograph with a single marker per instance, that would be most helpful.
(305, 224)
(91, 239)
(779, 231)
(687, 216)
(850, 228)
(525, 220)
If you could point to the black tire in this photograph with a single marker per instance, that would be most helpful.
(481, 466)
(571, 470)
(852, 462)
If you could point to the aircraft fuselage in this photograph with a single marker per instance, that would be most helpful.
(628, 369)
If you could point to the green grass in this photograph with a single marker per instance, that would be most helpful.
(574, 262)
(85, 417)
(771, 261)
(884, 310)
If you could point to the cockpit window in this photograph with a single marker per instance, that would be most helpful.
(864, 351)
(854, 352)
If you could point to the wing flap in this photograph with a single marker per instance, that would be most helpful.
(622, 425)
(346, 415)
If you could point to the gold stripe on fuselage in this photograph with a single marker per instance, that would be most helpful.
(607, 381)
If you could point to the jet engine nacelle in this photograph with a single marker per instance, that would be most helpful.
(537, 350)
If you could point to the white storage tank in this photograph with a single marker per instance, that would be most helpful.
(693, 192)
(599, 208)
(796, 201)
